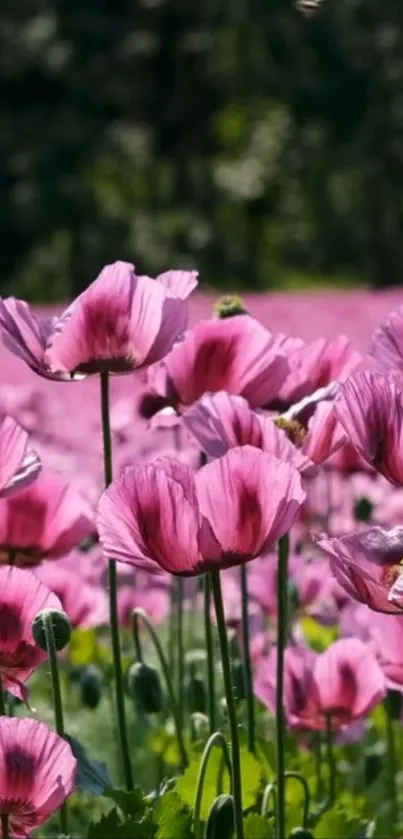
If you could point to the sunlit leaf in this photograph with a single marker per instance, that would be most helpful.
(131, 803)
(319, 637)
(172, 817)
(82, 648)
(257, 827)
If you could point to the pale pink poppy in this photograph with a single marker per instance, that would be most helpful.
(386, 347)
(342, 684)
(85, 604)
(368, 565)
(386, 632)
(22, 596)
(237, 355)
(164, 516)
(43, 521)
(18, 465)
(370, 408)
(220, 421)
(325, 435)
(37, 773)
(318, 364)
(121, 322)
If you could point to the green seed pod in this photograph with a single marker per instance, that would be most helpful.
(91, 684)
(60, 624)
(144, 686)
(363, 508)
(301, 833)
(196, 694)
(220, 822)
(229, 305)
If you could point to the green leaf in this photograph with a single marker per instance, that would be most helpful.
(319, 637)
(257, 827)
(172, 817)
(130, 803)
(83, 647)
(106, 827)
(336, 823)
(92, 775)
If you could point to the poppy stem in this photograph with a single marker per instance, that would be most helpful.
(391, 769)
(331, 762)
(282, 625)
(4, 826)
(216, 739)
(181, 653)
(250, 699)
(232, 719)
(113, 598)
(137, 615)
(57, 698)
(208, 629)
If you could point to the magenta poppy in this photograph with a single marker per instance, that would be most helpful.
(18, 465)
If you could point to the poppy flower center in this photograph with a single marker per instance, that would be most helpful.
(21, 812)
(293, 429)
(392, 573)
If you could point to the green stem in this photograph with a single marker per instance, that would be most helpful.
(233, 723)
(113, 598)
(317, 752)
(270, 793)
(282, 575)
(181, 653)
(392, 770)
(296, 776)
(139, 614)
(208, 629)
(216, 739)
(331, 762)
(250, 699)
(57, 699)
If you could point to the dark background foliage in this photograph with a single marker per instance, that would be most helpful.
(257, 142)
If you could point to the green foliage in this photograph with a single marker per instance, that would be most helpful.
(257, 827)
(172, 817)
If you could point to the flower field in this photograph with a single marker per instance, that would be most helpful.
(201, 564)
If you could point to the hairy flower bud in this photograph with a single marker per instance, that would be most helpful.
(60, 625)
(144, 686)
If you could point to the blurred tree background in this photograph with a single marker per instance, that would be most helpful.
(254, 140)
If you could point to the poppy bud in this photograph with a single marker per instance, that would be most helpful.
(144, 686)
(229, 305)
(220, 820)
(301, 833)
(91, 683)
(61, 627)
(200, 726)
(363, 508)
(196, 694)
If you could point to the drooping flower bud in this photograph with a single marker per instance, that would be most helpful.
(301, 833)
(229, 305)
(196, 694)
(145, 688)
(60, 625)
(91, 683)
(221, 818)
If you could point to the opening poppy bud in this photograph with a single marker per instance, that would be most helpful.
(229, 305)
(220, 822)
(196, 693)
(301, 833)
(200, 727)
(393, 704)
(144, 686)
(61, 627)
(363, 508)
(91, 684)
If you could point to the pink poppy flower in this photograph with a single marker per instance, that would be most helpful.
(386, 632)
(43, 521)
(220, 422)
(237, 355)
(164, 516)
(86, 604)
(342, 684)
(368, 565)
(120, 323)
(18, 465)
(325, 435)
(370, 409)
(37, 773)
(318, 364)
(22, 596)
(386, 347)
